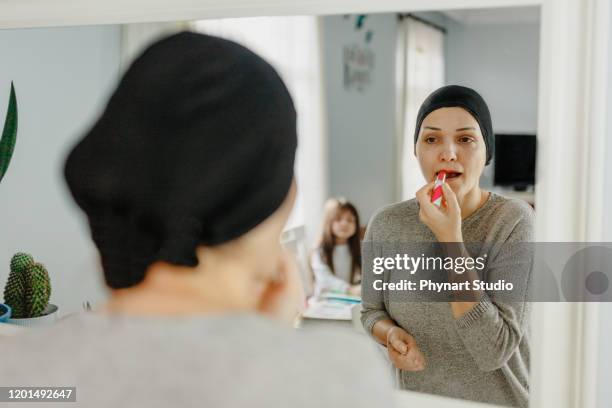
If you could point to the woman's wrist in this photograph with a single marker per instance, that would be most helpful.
(454, 249)
(381, 330)
(451, 237)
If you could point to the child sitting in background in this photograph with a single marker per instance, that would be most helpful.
(336, 261)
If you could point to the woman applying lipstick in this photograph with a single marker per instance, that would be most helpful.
(472, 347)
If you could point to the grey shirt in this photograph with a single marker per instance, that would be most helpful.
(482, 356)
(233, 360)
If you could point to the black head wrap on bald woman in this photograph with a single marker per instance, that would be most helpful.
(466, 98)
(196, 146)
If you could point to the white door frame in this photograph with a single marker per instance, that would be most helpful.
(571, 136)
(41, 13)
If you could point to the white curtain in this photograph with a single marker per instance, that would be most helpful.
(291, 45)
(421, 71)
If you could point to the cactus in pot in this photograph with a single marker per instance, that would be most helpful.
(28, 288)
(14, 291)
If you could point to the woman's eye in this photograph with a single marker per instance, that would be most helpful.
(430, 139)
(466, 139)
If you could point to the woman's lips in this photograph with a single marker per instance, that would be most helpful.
(448, 179)
(450, 174)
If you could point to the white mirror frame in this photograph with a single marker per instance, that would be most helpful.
(571, 137)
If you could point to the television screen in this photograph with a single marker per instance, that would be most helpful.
(515, 159)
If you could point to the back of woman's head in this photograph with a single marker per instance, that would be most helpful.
(195, 147)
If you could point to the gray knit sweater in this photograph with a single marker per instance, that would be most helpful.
(231, 360)
(482, 356)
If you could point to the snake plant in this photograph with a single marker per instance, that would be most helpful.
(9, 134)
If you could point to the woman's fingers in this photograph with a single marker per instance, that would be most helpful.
(426, 208)
(424, 193)
(399, 345)
(451, 198)
(440, 220)
(416, 357)
(284, 297)
(412, 360)
(395, 340)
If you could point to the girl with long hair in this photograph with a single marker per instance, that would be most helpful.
(336, 261)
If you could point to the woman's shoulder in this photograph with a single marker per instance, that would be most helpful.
(514, 208)
(391, 212)
(398, 221)
(505, 219)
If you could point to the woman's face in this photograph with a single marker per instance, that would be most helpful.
(450, 139)
(344, 226)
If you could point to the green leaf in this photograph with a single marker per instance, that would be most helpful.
(9, 134)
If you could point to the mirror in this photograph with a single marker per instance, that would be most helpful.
(357, 81)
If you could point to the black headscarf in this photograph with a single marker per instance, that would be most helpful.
(196, 146)
(466, 98)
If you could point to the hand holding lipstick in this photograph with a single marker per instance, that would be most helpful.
(443, 220)
(436, 194)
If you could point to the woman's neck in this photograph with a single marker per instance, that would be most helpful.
(340, 241)
(472, 201)
(172, 290)
(153, 303)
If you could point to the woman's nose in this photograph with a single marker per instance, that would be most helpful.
(448, 153)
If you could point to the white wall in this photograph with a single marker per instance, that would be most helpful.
(62, 77)
(501, 62)
(361, 125)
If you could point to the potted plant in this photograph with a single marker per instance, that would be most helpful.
(9, 134)
(27, 292)
(5, 313)
(7, 146)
